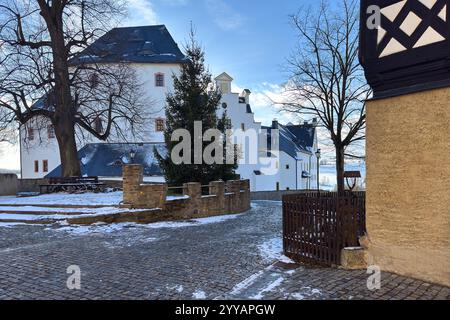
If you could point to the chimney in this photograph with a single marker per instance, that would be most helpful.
(315, 122)
(246, 95)
(274, 124)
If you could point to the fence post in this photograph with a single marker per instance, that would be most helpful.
(194, 191)
(217, 188)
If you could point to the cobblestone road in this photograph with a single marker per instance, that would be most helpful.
(226, 258)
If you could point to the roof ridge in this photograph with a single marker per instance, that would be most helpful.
(141, 27)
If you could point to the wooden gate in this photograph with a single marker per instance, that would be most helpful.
(317, 226)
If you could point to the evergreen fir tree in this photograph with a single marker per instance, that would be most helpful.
(191, 101)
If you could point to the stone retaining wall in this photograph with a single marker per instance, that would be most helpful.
(272, 195)
(224, 197)
(8, 184)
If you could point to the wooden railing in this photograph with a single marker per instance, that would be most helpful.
(317, 226)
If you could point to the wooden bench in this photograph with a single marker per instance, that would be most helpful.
(71, 184)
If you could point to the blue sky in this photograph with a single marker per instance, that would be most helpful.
(249, 39)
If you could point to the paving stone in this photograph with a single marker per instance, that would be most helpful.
(175, 263)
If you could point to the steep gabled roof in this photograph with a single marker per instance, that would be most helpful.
(294, 138)
(106, 159)
(147, 44)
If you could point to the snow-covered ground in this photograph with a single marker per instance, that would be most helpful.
(270, 279)
(83, 199)
(109, 228)
(273, 250)
(96, 199)
(42, 217)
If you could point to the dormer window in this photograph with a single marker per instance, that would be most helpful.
(159, 79)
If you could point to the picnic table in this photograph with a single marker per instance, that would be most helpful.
(71, 184)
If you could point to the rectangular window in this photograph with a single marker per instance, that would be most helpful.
(159, 80)
(30, 134)
(278, 186)
(160, 125)
(242, 126)
(45, 165)
(36, 166)
(287, 167)
(50, 132)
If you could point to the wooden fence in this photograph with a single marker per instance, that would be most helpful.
(317, 226)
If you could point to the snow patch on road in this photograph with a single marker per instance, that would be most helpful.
(199, 295)
(11, 224)
(246, 283)
(306, 293)
(217, 219)
(272, 250)
(95, 228)
(116, 227)
(270, 287)
(297, 296)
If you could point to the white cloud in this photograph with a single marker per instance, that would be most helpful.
(223, 15)
(262, 101)
(141, 12)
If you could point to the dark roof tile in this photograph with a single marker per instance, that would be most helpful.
(147, 44)
(294, 138)
(106, 159)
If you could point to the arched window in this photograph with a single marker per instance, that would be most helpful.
(224, 105)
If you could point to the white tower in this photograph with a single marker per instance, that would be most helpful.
(223, 83)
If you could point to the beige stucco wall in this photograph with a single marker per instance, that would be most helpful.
(408, 184)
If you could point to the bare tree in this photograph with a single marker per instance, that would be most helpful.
(326, 79)
(48, 75)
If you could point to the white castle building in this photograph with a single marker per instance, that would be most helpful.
(155, 56)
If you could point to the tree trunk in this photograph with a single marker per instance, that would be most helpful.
(340, 163)
(65, 134)
(64, 117)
